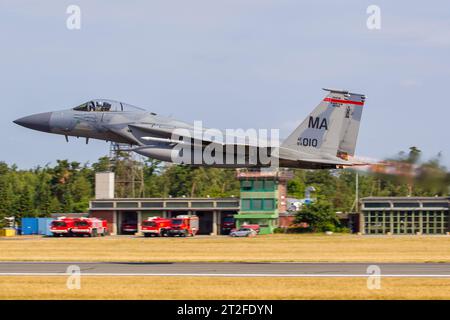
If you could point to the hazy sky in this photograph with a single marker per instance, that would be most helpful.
(230, 63)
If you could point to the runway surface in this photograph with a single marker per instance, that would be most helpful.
(438, 270)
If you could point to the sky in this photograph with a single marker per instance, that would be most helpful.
(230, 63)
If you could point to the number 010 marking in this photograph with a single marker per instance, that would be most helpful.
(307, 142)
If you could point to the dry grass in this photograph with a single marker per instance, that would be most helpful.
(221, 288)
(275, 248)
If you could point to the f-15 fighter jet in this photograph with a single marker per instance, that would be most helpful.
(326, 139)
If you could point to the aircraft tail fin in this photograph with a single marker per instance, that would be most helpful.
(332, 127)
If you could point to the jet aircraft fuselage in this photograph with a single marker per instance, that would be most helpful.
(326, 139)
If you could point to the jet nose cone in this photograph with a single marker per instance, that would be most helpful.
(40, 121)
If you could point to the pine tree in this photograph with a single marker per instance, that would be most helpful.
(25, 206)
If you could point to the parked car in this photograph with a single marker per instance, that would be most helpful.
(243, 232)
(251, 226)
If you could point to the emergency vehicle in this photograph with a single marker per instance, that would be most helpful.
(129, 227)
(62, 227)
(155, 226)
(228, 224)
(183, 226)
(92, 227)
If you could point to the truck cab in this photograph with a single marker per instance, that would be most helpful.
(155, 226)
(129, 227)
(183, 226)
(228, 224)
(92, 227)
(62, 227)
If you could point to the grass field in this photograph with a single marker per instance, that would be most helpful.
(221, 288)
(267, 248)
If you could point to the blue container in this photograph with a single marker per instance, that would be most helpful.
(44, 226)
(29, 226)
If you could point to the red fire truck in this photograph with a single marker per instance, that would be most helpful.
(62, 227)
(183, 226)
(155, 226)
(129, 227)
(228, 223)
(92, 227)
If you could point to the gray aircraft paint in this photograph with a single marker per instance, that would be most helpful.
(329, 130)
(351, 124)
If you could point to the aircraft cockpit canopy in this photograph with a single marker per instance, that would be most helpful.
(102, 105)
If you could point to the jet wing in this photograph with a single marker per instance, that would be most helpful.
(121, 135)
(150, 134)
(141, 131)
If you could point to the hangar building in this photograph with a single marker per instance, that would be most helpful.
(117, 212)
(262, 201)
(405, 215)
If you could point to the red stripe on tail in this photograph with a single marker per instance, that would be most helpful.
(344, 101)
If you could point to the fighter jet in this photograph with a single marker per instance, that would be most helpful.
(326, 139)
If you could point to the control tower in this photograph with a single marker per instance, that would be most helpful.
(263, 197)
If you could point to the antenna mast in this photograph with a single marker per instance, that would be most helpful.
(129, 171)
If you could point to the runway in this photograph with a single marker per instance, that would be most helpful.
(410, 270)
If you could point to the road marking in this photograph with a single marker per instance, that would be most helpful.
(278, 275)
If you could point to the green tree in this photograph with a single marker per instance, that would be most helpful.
(43, 193)
(25, 206)
(6, 197)
(319, 215)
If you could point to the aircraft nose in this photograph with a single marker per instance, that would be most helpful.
(40, 121)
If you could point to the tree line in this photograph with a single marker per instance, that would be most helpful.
(68, 186)
(403, 175)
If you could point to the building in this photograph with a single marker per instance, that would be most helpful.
(405, 215)
(349, 220)
(117, 212)
(263, 198)
(132, 211)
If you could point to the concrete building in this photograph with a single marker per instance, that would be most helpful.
(405, 215)
(263, 199)
(104, 185)
(211, 211)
